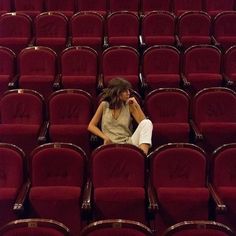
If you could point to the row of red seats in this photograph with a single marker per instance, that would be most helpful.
(63, 185)
(199, 67)
(208, 119)
(52, 29)
(70, 7)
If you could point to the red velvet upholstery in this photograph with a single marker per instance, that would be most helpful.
(57, 175)
(121, 61)
(202, 67)
(181, 6)
(31, 8)
(99, 6)
(168, 109)
(214, 113)
(213, 7)
(51, 30)
(178, 175)
(69, 114)
(194, 28)
(41, 75)
(66, 7)
(118, 177)
(7, 68)
(224, 181)
(117, 34)
(158, 27)
(5, 6)
(223, 29)
(22, 114)
(124, 5)
(155, 5)
(87, 29)
(161, 67)
(15, 31)
(79, 68)
(11, 179)
(35, 227)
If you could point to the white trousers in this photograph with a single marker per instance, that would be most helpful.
(143, 133)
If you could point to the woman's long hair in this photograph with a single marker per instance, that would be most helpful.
(111, 94)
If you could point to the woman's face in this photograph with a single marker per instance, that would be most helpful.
(124, 95)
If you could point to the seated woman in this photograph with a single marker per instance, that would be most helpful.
(115, 113)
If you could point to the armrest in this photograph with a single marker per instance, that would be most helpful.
(13, 82)
(100, 84)
(228, 83)
(21, 197)
(152, 200)
(186, 83)
(143, 83)
(141, 41)
(32, 42)
(105, 42)
(42, 138)
(214, 41)
(69, 42)
(87, 199)
(220, 206)
(57, 82)
(178, 42)
(197, 134)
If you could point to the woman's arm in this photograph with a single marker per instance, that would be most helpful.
(136, 110)
(93, 125)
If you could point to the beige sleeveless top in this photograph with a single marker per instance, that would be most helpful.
(118, 130)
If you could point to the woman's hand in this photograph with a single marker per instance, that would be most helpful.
(107, 141)
(132, 101)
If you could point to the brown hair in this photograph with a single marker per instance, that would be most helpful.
(111, 94)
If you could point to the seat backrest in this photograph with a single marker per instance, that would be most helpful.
(22, 106)
(161, 60)
(199, 228)
(15, 25)
(158, 23)
(178, 165)
(70, 107)
(45, 57)
(118, 165)
(116, 227)
(60, 5)
(12, 166)
(87, 24)
(91, 5)
(167, 106)
(214, 105)
(219, 5)
(194, 23)
(202, 59)
(116, 22)
(51, 25)
(5, 6)
(229, 61)
(155, 5)
(180, 6)
(58, 164)
(124, 5)
(26, 5)
(36, 227)
(8, 62)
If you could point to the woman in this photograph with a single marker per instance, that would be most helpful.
(115, 113)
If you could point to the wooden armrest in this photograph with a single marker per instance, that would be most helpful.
(100, 85)
(227, 81)
(32, 42)
(152, 200)
(42, 138)
(178, 42)
(57, 82)
(186, 83)
(220, 206)
(143, 83)
(141, 41)
(69, 42)
(214, 41)
(87, 199)
(197, 134)
(13, 84)
(21, 197)
(105, 42)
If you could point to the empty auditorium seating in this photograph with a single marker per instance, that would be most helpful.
(12, 167)
(224, 31)
(15, 31)
(51, 30)
(155, 5)
(194, 27)
(161, 67)
(118, 183)
(199, 228)
(31, 8)
(117, 34)
(168, 109)
(214, 116)
(36, 227)
(224, 183)
(213, 7)
(66, 7)
(5, 6)
(57, 173)
(121, 61)
(180, 6)
(87, 29)
(201, 67)
(37, 76)
(178, 178)
(116, 227)
(99, 6)
(7, 68)
(158, 27)
(69, 114)
(124, 5)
